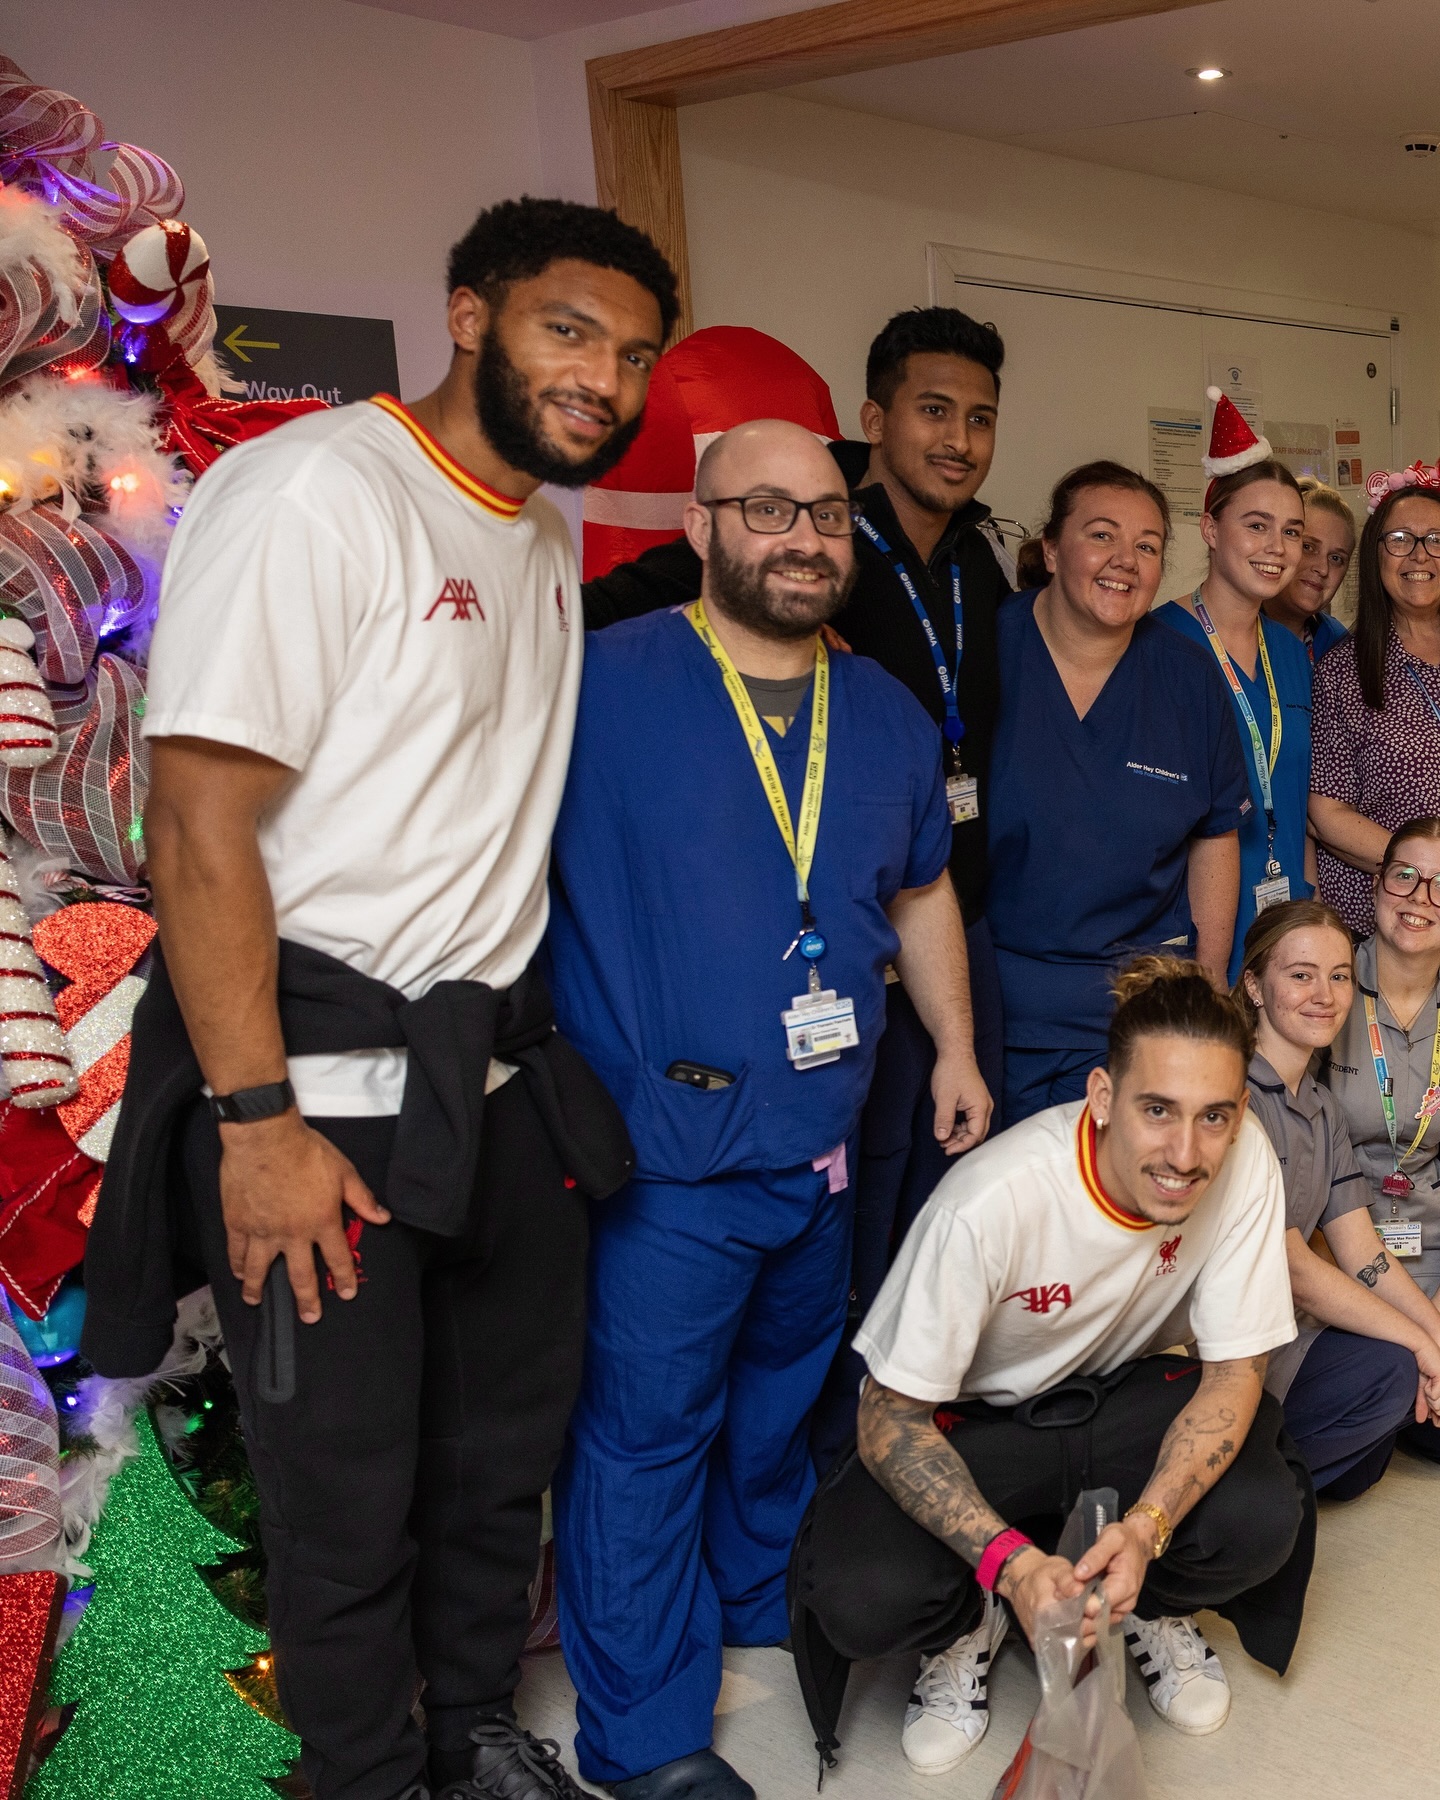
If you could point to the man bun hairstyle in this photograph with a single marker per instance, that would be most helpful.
(1169, 996)
(517, 239)
(1101, 474)
(936, 330)
(1268, 930)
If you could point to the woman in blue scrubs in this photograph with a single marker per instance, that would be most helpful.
(1254, 525)
(1117, 790)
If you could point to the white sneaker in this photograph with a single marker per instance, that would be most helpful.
(949, 1710)
(1186, 1683)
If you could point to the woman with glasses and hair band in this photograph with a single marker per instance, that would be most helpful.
(1254, 527)
(1367, 1360)
(1325, 554)
(1384, 1065)
(1117, 787)
(1376, 733)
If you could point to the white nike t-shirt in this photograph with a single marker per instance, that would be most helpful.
(345, 598)
(1021, 1270)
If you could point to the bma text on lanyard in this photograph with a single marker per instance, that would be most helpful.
(818, 1024)
(962, 791)
(1401, 1236)
(1274, 890)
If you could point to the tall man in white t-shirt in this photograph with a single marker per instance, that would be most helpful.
(1016, 1356)
(362, 695)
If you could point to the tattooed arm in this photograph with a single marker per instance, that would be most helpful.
(922, 1472)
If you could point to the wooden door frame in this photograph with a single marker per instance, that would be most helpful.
(634, 94)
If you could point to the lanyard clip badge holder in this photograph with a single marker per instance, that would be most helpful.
(819, 1024)
(962, 791)
(1274, 889)
(1401, 1237)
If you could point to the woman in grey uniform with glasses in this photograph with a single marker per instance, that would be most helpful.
(1384, 1065)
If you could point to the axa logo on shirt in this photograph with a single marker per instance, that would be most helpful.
(1169, 1255)
(1042, 1299)
(460, 597)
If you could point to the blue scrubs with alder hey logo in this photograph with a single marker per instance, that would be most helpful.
(719, 1275)
(1090, 827)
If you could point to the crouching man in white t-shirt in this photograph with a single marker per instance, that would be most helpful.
(1016, 1356)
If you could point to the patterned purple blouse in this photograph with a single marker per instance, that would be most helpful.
(1386, 764)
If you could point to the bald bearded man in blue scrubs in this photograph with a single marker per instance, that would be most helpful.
(752, 830)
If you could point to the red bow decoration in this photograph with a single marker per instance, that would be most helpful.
(48, 1190)
(198, 427)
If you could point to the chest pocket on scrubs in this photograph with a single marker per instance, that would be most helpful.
(880, 831)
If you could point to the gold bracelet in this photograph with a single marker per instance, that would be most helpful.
(1164, 1531)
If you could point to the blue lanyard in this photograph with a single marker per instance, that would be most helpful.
(954, 724)
(1423, 691)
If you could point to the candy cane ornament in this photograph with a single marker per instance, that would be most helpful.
(33, 1053)
(28, 734)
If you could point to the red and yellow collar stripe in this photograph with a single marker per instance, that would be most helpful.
(1090, 1176)
(501, 505)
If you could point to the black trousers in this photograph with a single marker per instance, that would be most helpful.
(400, 1489)
(876, 1582)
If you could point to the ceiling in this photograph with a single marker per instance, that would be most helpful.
(1321, 93)
(519, 18)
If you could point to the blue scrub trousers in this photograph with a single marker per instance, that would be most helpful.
(715, 1310)
(1035, 1079)
(1349, 1398)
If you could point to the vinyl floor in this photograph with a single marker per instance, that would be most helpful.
(1356, 1718)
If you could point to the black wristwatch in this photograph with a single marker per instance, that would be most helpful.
(247, 1105)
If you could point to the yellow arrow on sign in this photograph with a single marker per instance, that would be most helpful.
(234, 342)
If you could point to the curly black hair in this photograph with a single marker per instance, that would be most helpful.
(519, 238)
(943, 330)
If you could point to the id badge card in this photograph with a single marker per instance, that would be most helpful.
(1401, 1237)
(818, 1027)
(1273, 891)
(962, 796)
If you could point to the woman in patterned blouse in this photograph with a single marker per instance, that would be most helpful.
(1376, 723)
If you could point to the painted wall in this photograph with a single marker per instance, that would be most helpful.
(811, 222)
(331, 153)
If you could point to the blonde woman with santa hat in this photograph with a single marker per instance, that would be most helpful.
(1254, 528)
(1377, 697)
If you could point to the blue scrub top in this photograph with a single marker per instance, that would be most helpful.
(1290, 781)
(673, 896)
(1091, 820)
(1328, 633)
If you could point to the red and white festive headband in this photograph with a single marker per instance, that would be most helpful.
(1390, 481)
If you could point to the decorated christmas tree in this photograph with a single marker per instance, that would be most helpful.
(157, 1715)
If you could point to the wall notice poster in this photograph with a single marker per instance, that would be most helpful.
(307, 356)
(1239, 377)
(1175, 449)
(1349, 454)
(1304, 449)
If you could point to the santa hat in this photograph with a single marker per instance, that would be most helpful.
(1233, 445)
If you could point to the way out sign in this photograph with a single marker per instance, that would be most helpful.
(307, 356)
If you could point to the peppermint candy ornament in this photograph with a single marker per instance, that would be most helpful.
(161, 277)
(28, 736)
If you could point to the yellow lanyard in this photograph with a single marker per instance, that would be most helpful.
(801, 845)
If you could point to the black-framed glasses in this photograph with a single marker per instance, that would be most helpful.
(772, 514)
(1400, 542)
(1403, 880)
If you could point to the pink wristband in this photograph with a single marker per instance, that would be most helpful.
(997, 1553)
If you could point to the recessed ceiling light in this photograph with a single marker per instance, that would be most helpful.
(1211, 72)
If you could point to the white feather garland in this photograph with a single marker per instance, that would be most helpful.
(31, 235)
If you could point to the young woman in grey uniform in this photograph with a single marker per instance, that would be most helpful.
(1392, 1037)
(1367, 1360)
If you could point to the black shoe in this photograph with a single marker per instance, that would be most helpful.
(703, 1776)
(512, 1765)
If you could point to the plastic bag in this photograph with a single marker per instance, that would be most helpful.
(1081, 1744)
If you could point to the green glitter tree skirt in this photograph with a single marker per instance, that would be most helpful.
(156, 1716)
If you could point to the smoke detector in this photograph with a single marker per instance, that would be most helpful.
(1421, 143)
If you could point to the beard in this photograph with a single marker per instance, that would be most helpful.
(510, 419)
(742, 591)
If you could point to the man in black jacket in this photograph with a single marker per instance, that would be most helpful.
(923, 605)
